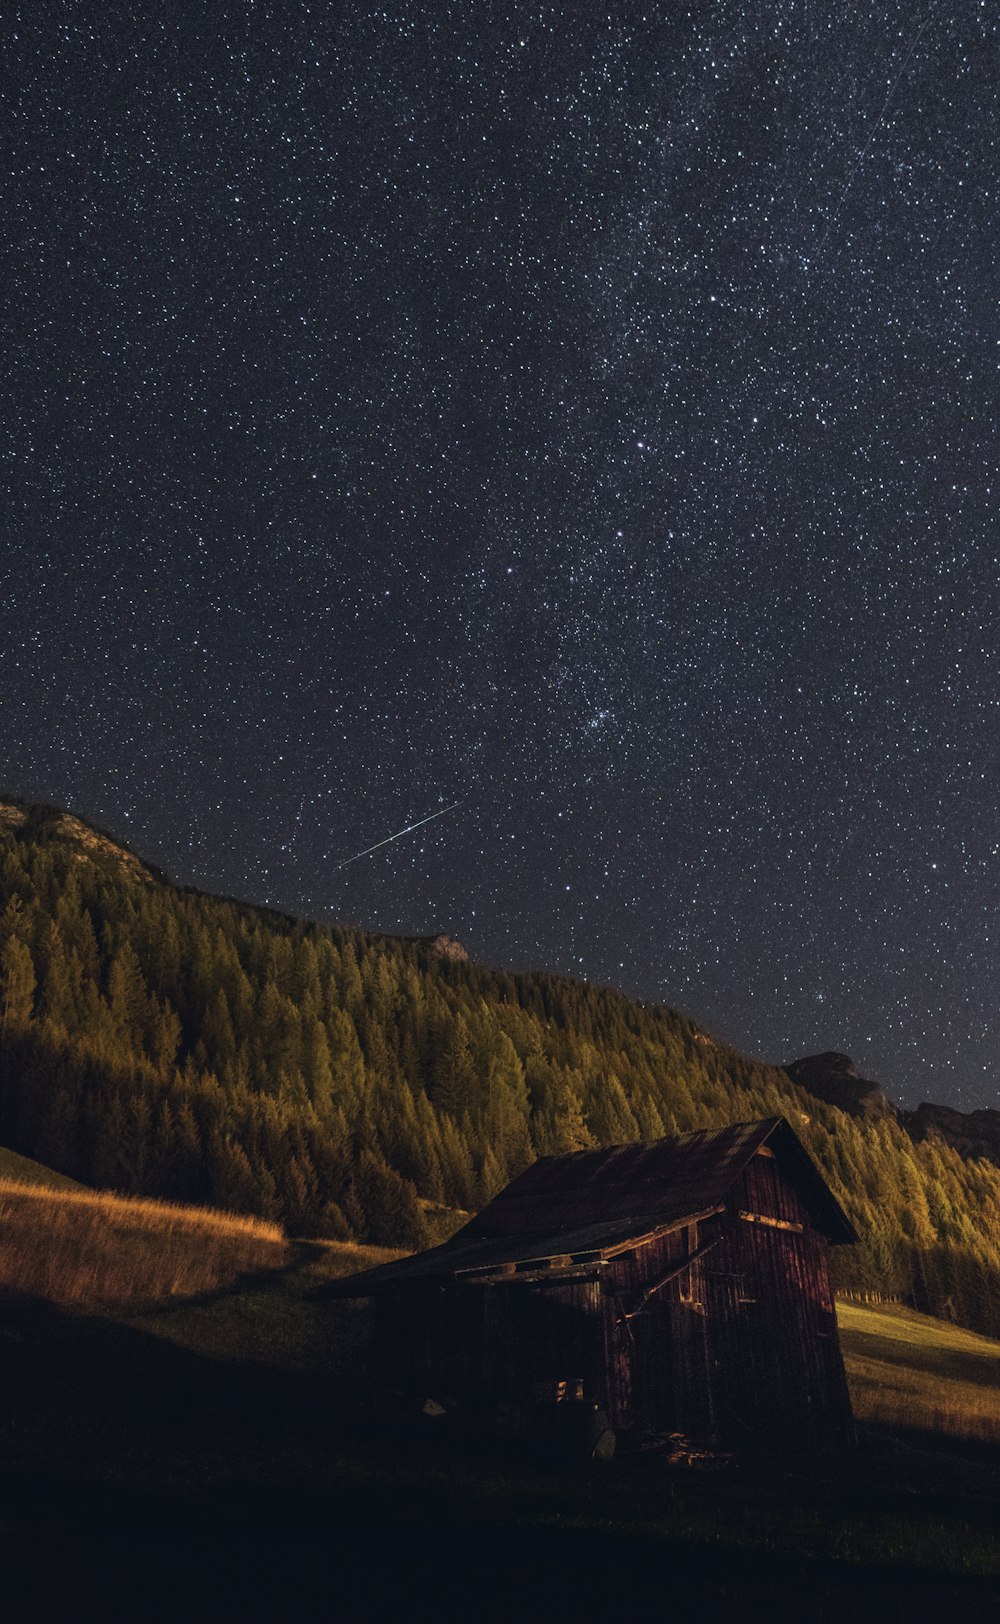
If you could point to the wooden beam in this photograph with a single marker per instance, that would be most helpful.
(536, 1277)
(671, 1274)
(772, 1223)
(636, 1241)
(587, 1255)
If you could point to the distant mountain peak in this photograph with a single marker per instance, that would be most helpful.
(445, 946)
(971, 1133)
(90, 844)
(835, 1079)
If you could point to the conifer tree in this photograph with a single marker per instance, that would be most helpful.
(17, 984)
(195, 1048)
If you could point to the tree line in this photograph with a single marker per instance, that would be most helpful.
(162, 1042)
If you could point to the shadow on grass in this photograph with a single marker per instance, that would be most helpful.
(143, 1480)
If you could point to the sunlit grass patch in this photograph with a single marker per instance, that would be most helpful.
(907, 1370)
(95, 1249)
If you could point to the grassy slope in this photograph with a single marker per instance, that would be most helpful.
(242, 1395)
(272, 1321)
(91, 1249)
(237, 1289)
(17, 1169)
(217, 1284)
(918, 1505)
(214, 1449)
(909, 1371)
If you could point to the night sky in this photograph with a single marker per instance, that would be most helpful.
(586, 414)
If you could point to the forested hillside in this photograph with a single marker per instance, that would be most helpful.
(163, 1042)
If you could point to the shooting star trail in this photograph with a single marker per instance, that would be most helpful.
(297, 824)
(399, 834)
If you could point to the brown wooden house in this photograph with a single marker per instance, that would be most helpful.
(682, 1287)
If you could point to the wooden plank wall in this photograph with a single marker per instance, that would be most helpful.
(538, 1336)
(656, 1361)
(741, 1348)
(779, 1372)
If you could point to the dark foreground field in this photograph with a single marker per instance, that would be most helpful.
(140, 1478)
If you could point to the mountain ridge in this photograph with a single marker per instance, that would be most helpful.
(159, 1041)
(835, 1079)
(830, 1076)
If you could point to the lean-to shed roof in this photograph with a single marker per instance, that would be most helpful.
(586, 1206)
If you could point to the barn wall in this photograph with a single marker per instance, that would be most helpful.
(659, 1375)
(778, 1325)
(779, 1373)
(428, 1342)
(764, 1188)
(539, 1335)
(498, 1342)
(743, 1347)
(739, 1349)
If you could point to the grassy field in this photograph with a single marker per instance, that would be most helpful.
(15, 1169)
(237, 1289)
(197, 1428)
(95, 1250)
(209, 1471)
(919, 1374)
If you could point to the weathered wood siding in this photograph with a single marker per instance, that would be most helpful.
(763, 1188)
(739, 1349)
(430, 1343)
(657, 1359)
(789, 1341)
(539, 1335)
(491, 1343)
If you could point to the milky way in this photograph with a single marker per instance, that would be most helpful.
(584, 414)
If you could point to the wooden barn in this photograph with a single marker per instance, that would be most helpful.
(681, 1287)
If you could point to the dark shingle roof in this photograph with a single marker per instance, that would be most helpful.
(587, 1205)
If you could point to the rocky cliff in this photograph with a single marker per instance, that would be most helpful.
(835, 1079)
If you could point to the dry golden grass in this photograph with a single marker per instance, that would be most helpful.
(97, 1250)
(907, 1370)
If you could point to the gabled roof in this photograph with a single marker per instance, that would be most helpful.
(584, 1207)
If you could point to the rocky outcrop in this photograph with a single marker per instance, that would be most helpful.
(89, 845)
(971, 1133)
(445, 947)
(835, 1079)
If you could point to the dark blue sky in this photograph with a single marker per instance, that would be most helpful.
(588, 414)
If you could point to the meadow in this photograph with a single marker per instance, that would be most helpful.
(913, 1373)
(169, 1373)
(95, 1250)
(239, 1288)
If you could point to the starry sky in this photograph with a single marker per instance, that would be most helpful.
(582, 413)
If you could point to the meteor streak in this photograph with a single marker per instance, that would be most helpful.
(399, 833)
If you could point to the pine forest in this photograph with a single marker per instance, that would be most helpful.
(162, 1042)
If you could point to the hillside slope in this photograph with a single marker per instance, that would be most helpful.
(15, 1169)
(81, 1248)
(166, 1043)
(909, 1371)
